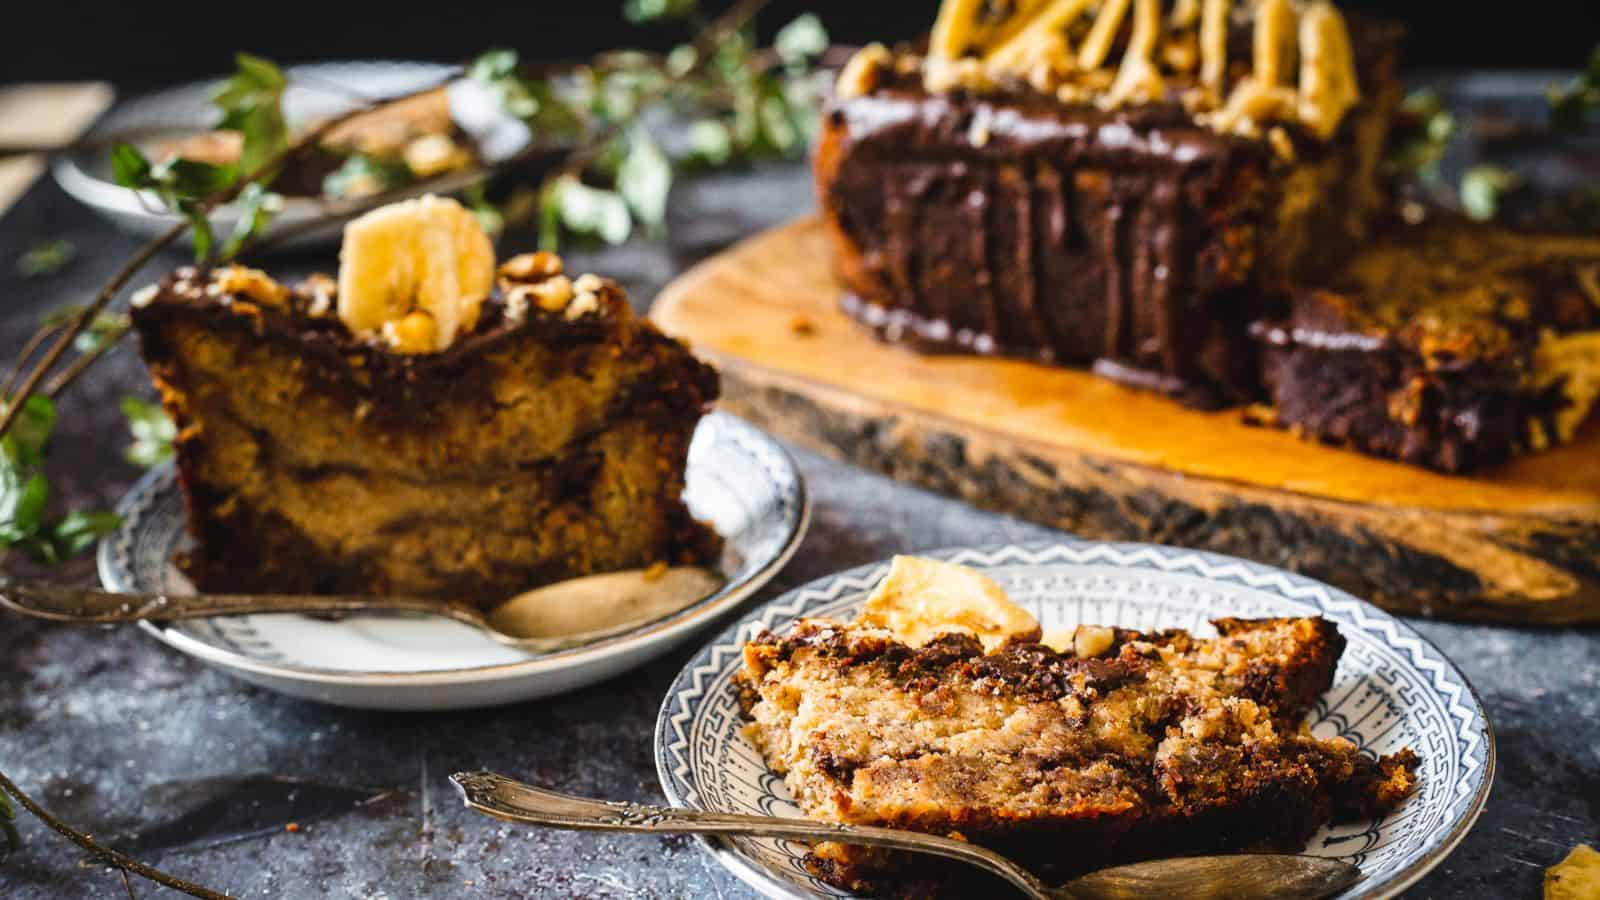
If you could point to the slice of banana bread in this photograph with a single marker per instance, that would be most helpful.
(1450, 345)
(1117, 747)
(546, 439)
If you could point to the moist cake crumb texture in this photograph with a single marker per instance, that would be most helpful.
(545, 442)
(1159, 744)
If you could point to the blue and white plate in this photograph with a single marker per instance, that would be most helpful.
(739, 479)
(1393, 689)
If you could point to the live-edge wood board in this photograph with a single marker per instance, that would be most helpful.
(1067, 449)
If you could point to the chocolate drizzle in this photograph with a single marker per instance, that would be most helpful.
(1032, 244)
(1015, 224)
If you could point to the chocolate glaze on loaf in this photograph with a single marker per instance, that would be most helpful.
(1136, 240)
(1429, 347)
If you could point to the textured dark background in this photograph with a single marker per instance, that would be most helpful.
(129, 739)
(146, 44)
(132, 740)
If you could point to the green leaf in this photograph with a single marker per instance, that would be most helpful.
(104, 328)
(46, 258)
(640, 12)
(251, 102)
(534, 100)
(183, 185)
(489, 216)
(1418, 156)
(8, 825)
(200, 228)
(25, 442)
(550, 216)
(710, 142)
(186, 179)
(778, 126)
(493, 65)
(801, 41)
(257, 208)
(361, 175)
(25, 495)
(153, 432)
(645, 179)
(22, 504)
(591, 210)
(129, 167)
(263, 73)
(1481, 190)
(549, 115)
(77, 531)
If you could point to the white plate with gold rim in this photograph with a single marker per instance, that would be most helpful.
(739, 479)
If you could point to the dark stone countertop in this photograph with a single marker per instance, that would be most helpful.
(125, 737)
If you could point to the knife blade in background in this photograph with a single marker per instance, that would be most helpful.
(234, 808)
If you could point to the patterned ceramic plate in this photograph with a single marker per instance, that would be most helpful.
(738, 478)
(315, 92)
(1393, 689)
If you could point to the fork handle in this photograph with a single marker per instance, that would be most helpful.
(76, 605)
(505, 798)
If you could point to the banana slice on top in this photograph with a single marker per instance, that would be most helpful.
(427, 255)
(921, 599)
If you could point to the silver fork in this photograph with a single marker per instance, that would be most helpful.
(1247, 876)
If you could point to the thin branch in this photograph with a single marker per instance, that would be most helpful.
(577, 159)
(150, 249)
(108, 291)
(83, 362)
(106, 854)
(127, 885)
(33, 344)
(705, 46)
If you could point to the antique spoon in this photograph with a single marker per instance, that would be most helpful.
(1246, 876)
(555, 617)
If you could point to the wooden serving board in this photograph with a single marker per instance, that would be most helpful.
(1071, 450)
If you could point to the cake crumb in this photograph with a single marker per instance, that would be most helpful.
(656, 571)
(802, 326)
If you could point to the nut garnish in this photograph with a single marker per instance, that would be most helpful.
(531, 266)
(322, 290)
(1090, 641)
(583, 303)
(552, 294)
(416, 333)
(252, 283)
(145, 296)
